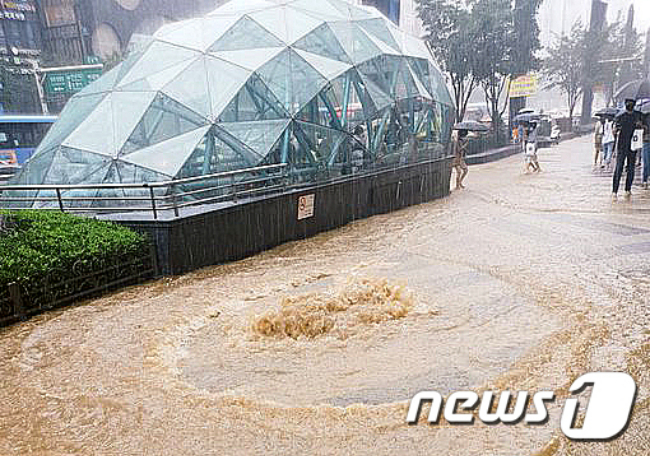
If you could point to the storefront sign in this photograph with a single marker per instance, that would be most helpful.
(523, 86)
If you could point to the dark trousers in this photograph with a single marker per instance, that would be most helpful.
(623, 155)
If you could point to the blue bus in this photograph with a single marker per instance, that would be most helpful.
(19, 137)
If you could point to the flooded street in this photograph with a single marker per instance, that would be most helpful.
(520, 282)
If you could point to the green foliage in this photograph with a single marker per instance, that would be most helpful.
(451, 40)
(482, 42)
(565, 66)
(39, 247)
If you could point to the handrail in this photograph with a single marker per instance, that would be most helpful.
(145, 185)
(152, 201)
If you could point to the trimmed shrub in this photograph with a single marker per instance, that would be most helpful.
(41, 248)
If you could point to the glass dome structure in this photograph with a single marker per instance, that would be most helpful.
(326, 87)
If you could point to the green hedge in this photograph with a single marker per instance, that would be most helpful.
(41, 247)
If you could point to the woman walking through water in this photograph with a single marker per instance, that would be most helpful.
(460, 150)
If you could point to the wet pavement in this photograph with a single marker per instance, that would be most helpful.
(520, 282)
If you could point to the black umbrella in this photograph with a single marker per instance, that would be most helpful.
(643, 106)
(608, 113)
(471, 125)
(527, 118)
(634, 90)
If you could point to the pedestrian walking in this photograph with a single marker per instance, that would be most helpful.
(530, 148)
(609, 140)
(598, 143)
(626, 124)
(460, 150)
(646, 150)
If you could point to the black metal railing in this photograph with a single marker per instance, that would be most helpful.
(19, 301)
(154, 197)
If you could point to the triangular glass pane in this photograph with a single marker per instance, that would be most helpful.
(385, 49)
(35, 170)
(259, 136)
(251, 59)
(254, 102)
(156, 58)
(169, 156)
(241, 7)
(96, 133)
(383, 71)
(320, 10)
(287, 23)
(380, 98)
(329, 68)
(128, 109)
(405, 87)
(191, 88)
(292, 80)
(165, 119)
(129, 173)
(75, 112)
(323, 42)
(421, 69)
(156, 81)
(422, 91)
(318, 144)
(354, 41)
(438, 86)
(379, 29)
(214, 155)
(245, 34)
(189, 34)
(72, 166)
(224, 81)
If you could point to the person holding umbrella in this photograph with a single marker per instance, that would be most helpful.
(460, 148)
(627, 122)
(643, 106)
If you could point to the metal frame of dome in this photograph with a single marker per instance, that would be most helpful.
(253, 83)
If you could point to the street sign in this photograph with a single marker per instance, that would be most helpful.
(70, 80)
(306, 206)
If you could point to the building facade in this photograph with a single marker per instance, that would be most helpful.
(20, 44)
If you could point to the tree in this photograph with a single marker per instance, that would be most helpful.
(565, 66)
(450, 38)
(492, 21)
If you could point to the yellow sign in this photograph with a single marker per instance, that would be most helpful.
(523, 86)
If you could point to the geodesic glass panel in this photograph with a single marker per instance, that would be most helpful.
(191, 85)
(254, 102)
(74, 113)
(379, 29)
(255, 82)
(72, 166)
(258, 136)
(323, 42)
(165, 119)
(168, 157)
(246, 34)
(157, 57)
(292, 80)
(354, 41)
(214, 155)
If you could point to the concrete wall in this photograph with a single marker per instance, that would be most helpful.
(248, 228)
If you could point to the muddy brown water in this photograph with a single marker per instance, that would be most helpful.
(518, 282)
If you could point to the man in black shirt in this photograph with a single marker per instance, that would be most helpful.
(626, 123)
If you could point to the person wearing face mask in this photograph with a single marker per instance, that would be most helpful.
(626, 123)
